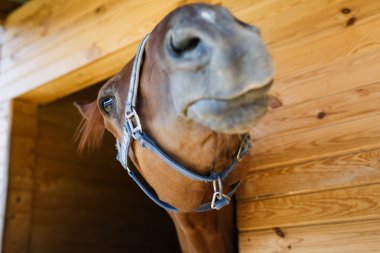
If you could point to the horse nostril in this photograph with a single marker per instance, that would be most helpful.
(185, 45)
(187, 48)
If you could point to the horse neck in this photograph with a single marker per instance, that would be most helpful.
(207, 232)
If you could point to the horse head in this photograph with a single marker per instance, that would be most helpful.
(203, 82)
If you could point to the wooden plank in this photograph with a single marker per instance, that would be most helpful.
(5, 116)
(343, 205)
(65, 184)
(22, 161)
(329, 79)
(15, 226)
(60, 15)
(92, 46)
(108, 170)
(306, 55)
(353, 237)
(329, 141)
(56, 25)
(62, 32)
(291, 22)
(320, 112)
(356, 169)
(89, 210)
(40, 19)
(24, 147)
(125, 240)
(81, 78)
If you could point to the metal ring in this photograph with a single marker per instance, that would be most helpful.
(218, 189)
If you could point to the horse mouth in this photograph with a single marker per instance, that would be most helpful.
(232, 115)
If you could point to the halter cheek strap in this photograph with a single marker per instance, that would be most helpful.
(133, 131)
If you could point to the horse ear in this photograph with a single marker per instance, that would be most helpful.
(85, 109)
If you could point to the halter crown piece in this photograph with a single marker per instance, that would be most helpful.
(133, 131)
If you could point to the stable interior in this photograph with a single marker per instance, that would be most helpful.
(63, 201)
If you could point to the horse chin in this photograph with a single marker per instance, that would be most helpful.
(234, 116)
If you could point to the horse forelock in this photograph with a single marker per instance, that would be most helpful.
(90, 131)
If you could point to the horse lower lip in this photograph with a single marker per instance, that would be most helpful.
(254, 97)
(218, 107)
(228, 116)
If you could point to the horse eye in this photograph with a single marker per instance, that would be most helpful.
(107, 105)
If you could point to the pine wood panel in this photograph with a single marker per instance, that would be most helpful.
(337, 108)
(309, 152)
(94, 72)
(53, 17)
(5, 116)
(303, 56)
(73, 38)
(291, 22)
(332, 78)
(41, 19)
(356, 169)
(348, 204)
(332, 140)
(21, 162)
(352, 237)
(99, 33)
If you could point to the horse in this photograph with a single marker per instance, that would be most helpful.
(187, 100)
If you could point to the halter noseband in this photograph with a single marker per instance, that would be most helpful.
(133, 131)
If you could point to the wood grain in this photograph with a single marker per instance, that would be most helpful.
(73, 202)
(315, 171)
(328, 141)
(324, 174)
(337, 108)
(89, 46)
(21, 162)
(5, 116)
(313, 53)
(352, 237)
(71, 45)
(331, 78)
(343, 205)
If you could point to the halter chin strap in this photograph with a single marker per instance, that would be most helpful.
(133, 131)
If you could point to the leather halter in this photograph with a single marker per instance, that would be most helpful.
(133, 131)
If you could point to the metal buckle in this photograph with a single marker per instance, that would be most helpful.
(218, 193)
(133, 117)
(128, 169)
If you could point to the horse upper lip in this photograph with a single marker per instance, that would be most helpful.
(260, 89)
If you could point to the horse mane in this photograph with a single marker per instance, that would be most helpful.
(90, 131)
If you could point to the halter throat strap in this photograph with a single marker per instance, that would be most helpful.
(133, 131)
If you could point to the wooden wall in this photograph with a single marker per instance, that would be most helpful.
(5, 118)
(314, 185)
(60, 201)
(22, 164)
